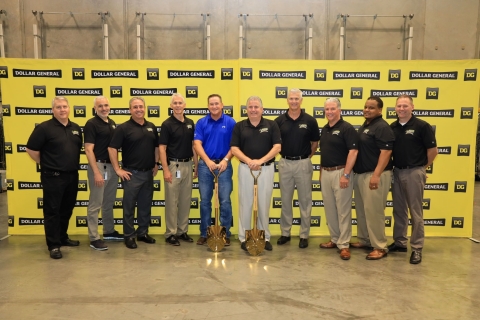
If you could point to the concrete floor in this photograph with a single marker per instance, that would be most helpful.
(190, 282)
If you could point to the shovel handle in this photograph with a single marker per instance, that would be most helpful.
(255, 197)
(216, 196)
(255, 177)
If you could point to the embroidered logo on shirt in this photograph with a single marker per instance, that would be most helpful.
(263, 130)
(150, 129)
(189, 126)
(113, 126)
(366, 130)
(75, 132)
(336, 132)
(302, 126)
(410, 131)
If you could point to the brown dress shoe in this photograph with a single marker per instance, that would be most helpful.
(345, 254)
(376, 254)
(201, 241)
(328, 245)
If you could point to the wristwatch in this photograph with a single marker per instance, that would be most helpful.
(226, 159)
(346, 175)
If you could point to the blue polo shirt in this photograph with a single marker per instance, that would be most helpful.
(215, 135)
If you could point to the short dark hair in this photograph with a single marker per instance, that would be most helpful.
(406, 96)
(379, 101)
(213, 95)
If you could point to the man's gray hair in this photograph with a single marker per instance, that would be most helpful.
(295, 90)
(59, 98)
(176, 94)
(255, 98)
(336, 100)
(135, 98)
(98, 98)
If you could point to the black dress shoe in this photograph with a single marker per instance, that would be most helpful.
(172, 240)
(130, 243)
(55, 253)
(303, 243)
(185, 237)
(146, 238)
(268, 246)
(70, 243)
(283, 240)
(244, 245)
(416, 257)
(393, 247)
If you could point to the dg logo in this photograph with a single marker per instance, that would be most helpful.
(153, 111)
(116, 91)
(320, 75)
(39, 91)
(3, 72)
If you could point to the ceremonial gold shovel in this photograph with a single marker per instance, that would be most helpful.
(216, 234)
(255, 238)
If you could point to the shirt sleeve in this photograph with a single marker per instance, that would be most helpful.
(164, 134)
(37, 139)
(235, 141)
(198, 135)
(384, 137)
(315, 133)
(89, 132)
(117, 139)
(351, 138)
(428, 135)
(276, 134)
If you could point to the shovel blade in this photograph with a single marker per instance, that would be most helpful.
(255, 241)
(216, 237)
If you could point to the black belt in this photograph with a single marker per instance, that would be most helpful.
(57, 173)
(295, 158)
(217, 161)
(179, 160)
(137, 169)
(103, 161)
(407, 167)
(263, 164)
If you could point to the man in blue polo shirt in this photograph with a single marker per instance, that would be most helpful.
(212, 143)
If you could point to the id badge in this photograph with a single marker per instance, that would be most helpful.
(177, 174)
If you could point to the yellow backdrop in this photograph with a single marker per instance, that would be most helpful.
(445, 94)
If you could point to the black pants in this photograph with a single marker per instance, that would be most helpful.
(59, 196)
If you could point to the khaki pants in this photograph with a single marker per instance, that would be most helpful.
(370, 209)
(299, 173)
(178, 195)
(338, 207)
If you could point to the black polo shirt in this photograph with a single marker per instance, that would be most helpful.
(411, 142)
(297, 134)
(138, 143)
(99, 133)
(373, 137)
(59, 145)
(256, 142)
(178, 137)
(336, 142)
